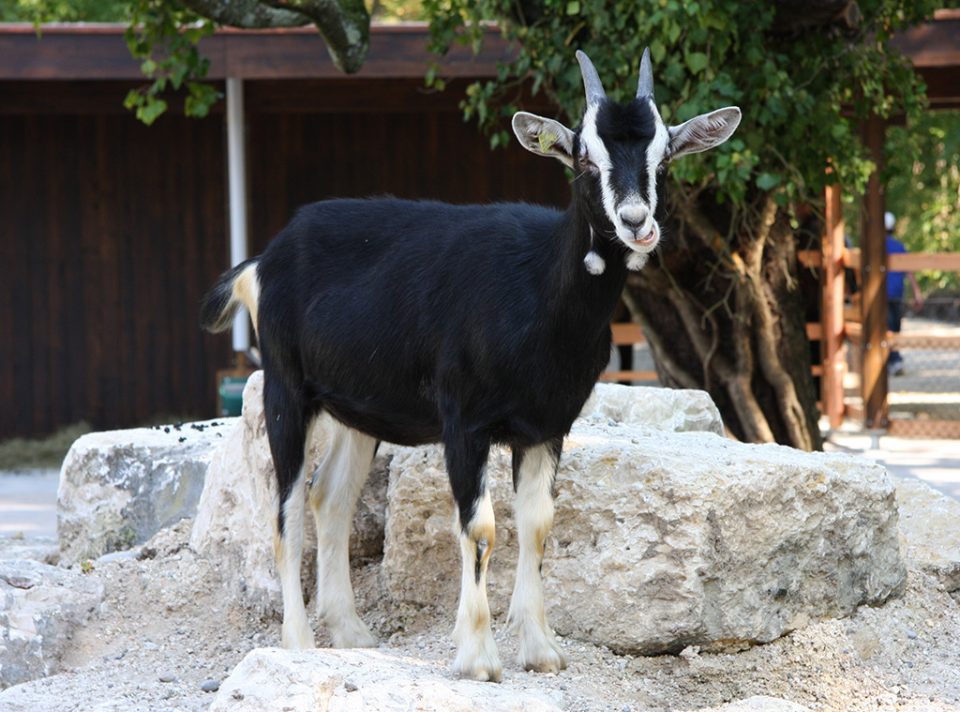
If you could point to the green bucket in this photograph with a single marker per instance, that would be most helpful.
(231, 395)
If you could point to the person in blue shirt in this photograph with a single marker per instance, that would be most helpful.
(895, 294)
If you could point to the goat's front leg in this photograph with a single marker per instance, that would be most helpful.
(477, 656)
(333, 496)
(534, 470)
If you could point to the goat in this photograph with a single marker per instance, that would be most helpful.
(468, 325)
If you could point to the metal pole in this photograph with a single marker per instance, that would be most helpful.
(237, 172)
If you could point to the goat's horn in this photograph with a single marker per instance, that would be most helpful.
(645, 86)
(591, 80)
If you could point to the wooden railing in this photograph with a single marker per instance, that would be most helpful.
(627, 335)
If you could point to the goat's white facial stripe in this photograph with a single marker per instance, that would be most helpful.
(598, 153)
(656, 152)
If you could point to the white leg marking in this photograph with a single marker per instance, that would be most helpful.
(477, 656)
(333, 498)
(533, 509)
(295, 633)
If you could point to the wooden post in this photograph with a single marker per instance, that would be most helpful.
(834, 362)
(874, 305)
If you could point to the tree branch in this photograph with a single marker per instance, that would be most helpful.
(344, 25)
(247, 14)
(767, 333)
(736, 381)
(661, 354)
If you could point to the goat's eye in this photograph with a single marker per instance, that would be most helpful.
(662, 168)
(587, 165)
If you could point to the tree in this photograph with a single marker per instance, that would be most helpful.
(720, 306)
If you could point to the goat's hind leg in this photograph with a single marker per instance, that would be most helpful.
(333, 496)
(477, 656)
(534, 470)
(286, 431)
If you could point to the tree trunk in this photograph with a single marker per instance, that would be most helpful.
(724, 313)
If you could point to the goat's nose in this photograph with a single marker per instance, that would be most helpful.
(633, 217)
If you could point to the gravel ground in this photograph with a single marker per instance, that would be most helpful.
(167, 631)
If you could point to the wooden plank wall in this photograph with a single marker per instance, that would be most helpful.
(310, 141)
(110, 231)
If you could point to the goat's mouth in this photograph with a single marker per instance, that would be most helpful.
(644, 242)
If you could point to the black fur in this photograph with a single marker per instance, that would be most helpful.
(419, 322)
(626, 131)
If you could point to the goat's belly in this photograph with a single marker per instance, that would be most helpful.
(416, 424)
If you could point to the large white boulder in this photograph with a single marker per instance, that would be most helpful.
(236, 515)
(40, 606)
(273, 680)
(119, 488)
(666, 539)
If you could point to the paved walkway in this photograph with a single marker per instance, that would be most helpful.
(28, 503)
(936, 462)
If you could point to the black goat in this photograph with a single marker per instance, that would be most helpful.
(419, 322)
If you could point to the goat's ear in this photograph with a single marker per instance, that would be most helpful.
(703, 132)
(545, 137)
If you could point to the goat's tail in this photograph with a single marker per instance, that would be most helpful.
(237, 286)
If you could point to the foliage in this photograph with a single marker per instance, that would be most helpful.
(923, 189)
(165, 38)
(794, 89)
(40, 11)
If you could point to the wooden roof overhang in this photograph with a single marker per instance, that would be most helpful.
(98, 52)
(398, 51)
(934, 50)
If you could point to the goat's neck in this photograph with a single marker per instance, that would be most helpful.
(586, 298)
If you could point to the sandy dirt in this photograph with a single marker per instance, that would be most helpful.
(167, 627)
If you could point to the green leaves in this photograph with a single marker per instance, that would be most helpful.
(767, 181)
(801, 93)
(697, 62)
(165, 37)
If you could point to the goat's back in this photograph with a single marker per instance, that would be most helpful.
(384, 308)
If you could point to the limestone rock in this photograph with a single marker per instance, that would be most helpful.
(119, 488)
(672, 410)
(663, 540)
(235, 519)
(269, 679)
(930, 531)
(40, 606)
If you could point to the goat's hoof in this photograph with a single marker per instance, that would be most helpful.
(479, 661)
(544, 655)
(553, 661)
(354, 635)
(297, 637)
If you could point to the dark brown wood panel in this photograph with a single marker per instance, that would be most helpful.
(99, 52)
(79, 97)
(111, 232)
(296, 159)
